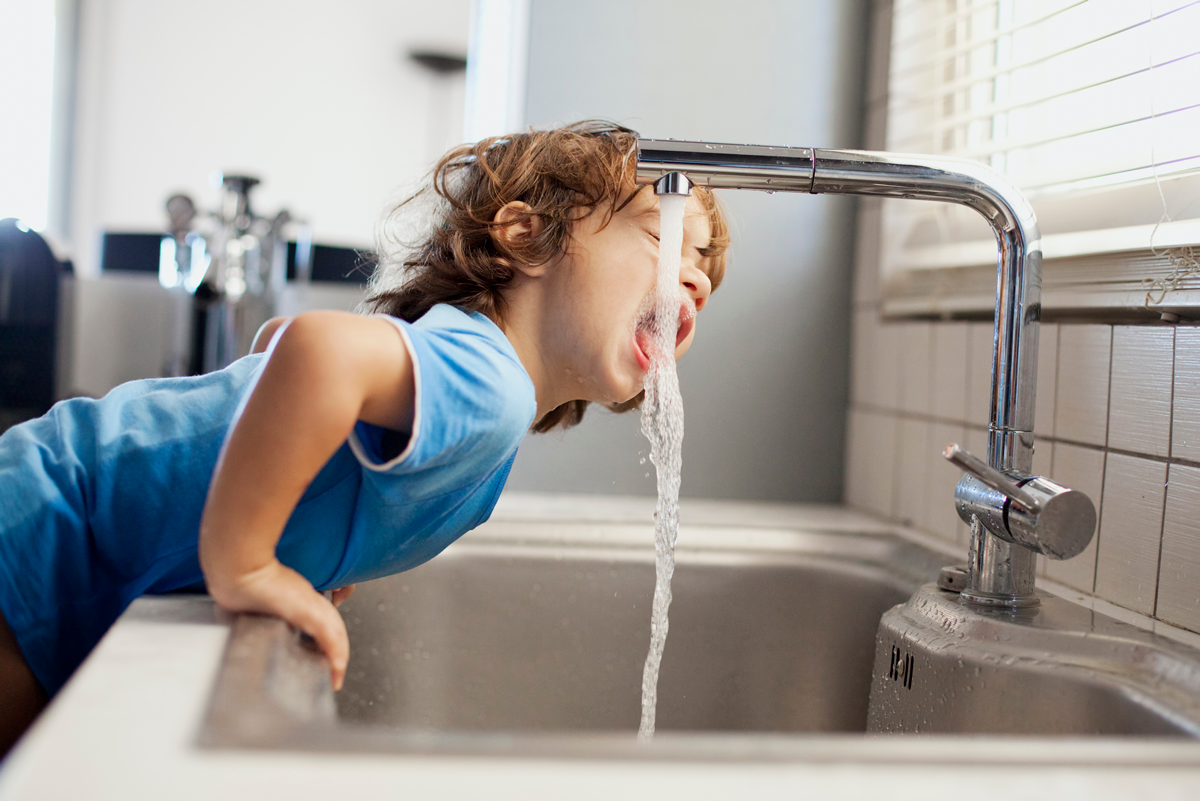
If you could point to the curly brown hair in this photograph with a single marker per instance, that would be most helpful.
(563, 174)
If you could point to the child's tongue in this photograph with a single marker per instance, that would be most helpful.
(645, 341)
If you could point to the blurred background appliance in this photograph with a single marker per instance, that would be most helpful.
(29, 298)
(443, 68)
(229, 267)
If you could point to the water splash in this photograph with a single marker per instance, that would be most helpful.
(662, 423)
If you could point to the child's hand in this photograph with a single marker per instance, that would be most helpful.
(276, 589)
(325, 372)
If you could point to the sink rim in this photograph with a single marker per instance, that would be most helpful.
(245, 712)
(245, 719)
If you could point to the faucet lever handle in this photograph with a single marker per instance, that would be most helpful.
(990, 476)
(1037, 513)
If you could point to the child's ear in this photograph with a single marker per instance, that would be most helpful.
(516, 227)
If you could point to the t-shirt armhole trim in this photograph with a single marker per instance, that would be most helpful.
(360, 452)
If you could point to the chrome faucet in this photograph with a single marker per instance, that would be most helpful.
(230, 266)
(1013, 515)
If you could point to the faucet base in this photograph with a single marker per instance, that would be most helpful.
(1000, 574)
(1000, 601)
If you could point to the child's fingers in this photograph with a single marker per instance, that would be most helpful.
(279, 590)
(342, 593)
(319, 620)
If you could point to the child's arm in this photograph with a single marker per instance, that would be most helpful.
(326, 370)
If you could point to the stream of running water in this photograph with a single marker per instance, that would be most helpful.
(662, 423)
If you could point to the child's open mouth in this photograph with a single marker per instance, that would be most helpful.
(644, 346)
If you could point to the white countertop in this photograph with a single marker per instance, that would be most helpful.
(125, 727)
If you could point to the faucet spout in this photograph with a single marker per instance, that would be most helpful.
(673, 183)
(1001, 572)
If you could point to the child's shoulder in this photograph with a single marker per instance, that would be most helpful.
(470, 340)
(464, 357)
(473, 398)
(448, 320)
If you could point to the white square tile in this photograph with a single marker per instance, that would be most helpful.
(977, 442)
(1082, 394)
(1179, 571)
(916, 353)
(871, 461)
(940, 515)
(1139, 412)
(885, 368)
(950, 371)
(853, 475)
(862, 348)
(1130, 531)
(1185, 432)
(1043, 458)
(1047, 372)
(913, 469)
(866, 252)
(979, 373)
(1080, 469)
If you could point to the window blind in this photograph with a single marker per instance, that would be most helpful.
(1091, 107)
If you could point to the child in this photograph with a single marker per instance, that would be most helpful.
(349, 447)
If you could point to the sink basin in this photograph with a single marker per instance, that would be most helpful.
(499, 636)
(528, 637)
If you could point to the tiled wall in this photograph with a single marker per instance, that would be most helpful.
(1118, 416)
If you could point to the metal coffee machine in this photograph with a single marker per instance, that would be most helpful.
(227, 269)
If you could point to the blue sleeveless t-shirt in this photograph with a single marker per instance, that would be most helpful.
(100, 500)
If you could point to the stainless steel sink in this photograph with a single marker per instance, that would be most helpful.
(1057, 668)
(528, 637)
(499, 636)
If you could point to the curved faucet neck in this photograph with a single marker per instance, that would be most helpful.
(1001, 573)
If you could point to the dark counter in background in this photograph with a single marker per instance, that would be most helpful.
(138, 253)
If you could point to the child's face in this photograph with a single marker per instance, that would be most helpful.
(606, 281)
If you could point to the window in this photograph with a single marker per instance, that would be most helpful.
(1091, 107)
(27, 64)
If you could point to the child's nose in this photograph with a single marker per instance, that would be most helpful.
(696, 284)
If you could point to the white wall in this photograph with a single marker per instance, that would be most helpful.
(316, 98)
(764, 385)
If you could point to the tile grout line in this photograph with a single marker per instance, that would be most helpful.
(897, 457)
(1166, 486)
(1054, 406)
(1049, 441)
(1148, 457)
(1091, 446)
(1104, 478)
